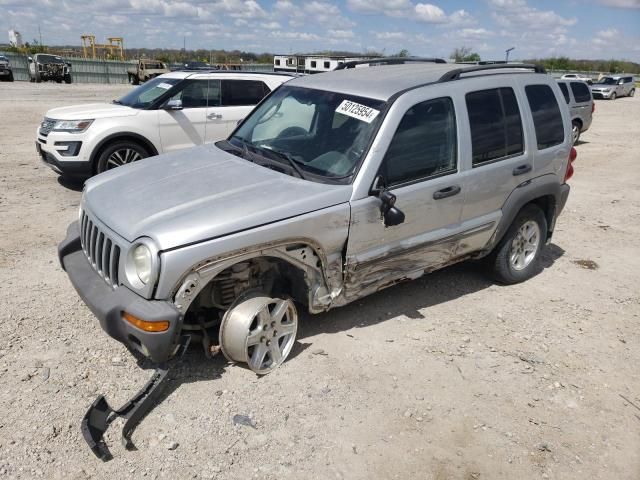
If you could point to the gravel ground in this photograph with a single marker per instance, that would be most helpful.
(446, 377)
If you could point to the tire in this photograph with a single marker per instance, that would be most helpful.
(133, 80)
(37, 77)
(613, 96)
(507, 264)
(58, 80)
(11, 77)
(631, 93)
(67, 79)
(575, 131)
(118, 153)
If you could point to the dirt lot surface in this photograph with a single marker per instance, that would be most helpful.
(446, 377)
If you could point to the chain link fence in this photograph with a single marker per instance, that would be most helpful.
(97, 71)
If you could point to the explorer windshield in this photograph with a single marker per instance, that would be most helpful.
(324, 133)
(147, 93)
(49, 59)
(606, 81)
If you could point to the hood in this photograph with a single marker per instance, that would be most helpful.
(92, 110)
(198, 194)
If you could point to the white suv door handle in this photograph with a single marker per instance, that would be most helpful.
(214, 116)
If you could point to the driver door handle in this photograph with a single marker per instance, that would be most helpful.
(446, 192)
(214, 116)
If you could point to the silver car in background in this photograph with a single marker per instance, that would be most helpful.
(581, 106)
(614, 86)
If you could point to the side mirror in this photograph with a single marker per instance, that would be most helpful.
(173, 104)
(391, 215)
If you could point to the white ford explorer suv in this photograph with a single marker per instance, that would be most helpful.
(170, 112)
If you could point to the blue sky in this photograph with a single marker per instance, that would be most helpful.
(575, 28)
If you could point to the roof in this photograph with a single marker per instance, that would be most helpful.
(382, 82)
(188, 73)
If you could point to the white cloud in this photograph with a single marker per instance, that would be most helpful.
(391, 35)
(341, 34)
(428, 13)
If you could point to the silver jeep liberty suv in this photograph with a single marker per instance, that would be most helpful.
(337, 185)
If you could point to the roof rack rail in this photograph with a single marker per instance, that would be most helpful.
(388, 61)
(254, 72)
(455, 74)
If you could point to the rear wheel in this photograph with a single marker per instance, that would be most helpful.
(632, 92)
(120, 153)
(575, 131)
(260, 331)
(517, 257)
(613, 96)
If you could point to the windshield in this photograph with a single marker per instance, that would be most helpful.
(49, 59)
(323, 133)
(147, 93)
(606, 81)
(3, 58)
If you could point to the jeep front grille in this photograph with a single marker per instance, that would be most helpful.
(46, 126)
(103, 254)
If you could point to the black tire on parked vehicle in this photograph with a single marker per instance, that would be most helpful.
(516, 258)
(576, 128)
(133, 80)
(613, 96)
(10, 76)
(632, 92)
(119, 153)
(67, 79)
(38, 79)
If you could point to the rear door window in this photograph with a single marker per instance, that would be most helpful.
(547, 119)
(496, 126)
(242, 92)
(581, 92)
(565, 91)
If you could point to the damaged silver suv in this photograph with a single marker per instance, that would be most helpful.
(334, 187)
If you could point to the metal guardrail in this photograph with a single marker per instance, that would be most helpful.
(98, 71)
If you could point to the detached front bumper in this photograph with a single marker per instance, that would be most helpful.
(109, 304)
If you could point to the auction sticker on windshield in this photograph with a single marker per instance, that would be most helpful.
(356, 110)
(165, 86)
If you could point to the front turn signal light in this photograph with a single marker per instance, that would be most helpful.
(144, 325)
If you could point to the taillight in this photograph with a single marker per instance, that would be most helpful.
(593, 106)
(573, 154)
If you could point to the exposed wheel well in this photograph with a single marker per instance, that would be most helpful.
(137, 139)
(578, 121)
(274, 276)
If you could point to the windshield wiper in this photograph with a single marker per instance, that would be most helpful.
(292, 161)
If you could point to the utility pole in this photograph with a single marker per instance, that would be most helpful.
(506, 58)
(40, 35)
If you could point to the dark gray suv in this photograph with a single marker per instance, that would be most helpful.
(581, 107)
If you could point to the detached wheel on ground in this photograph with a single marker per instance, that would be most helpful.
(517, 257)
(575, 131)
(120, 153)
(260, 331)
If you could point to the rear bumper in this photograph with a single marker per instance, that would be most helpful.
(108, 304)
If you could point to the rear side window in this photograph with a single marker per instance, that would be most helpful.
(547, 119)
(565, 91)
(496, 127)
(424, 144)
(581, 92)
(242, 92)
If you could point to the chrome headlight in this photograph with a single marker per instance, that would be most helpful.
(71, 126)
(142, 263)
